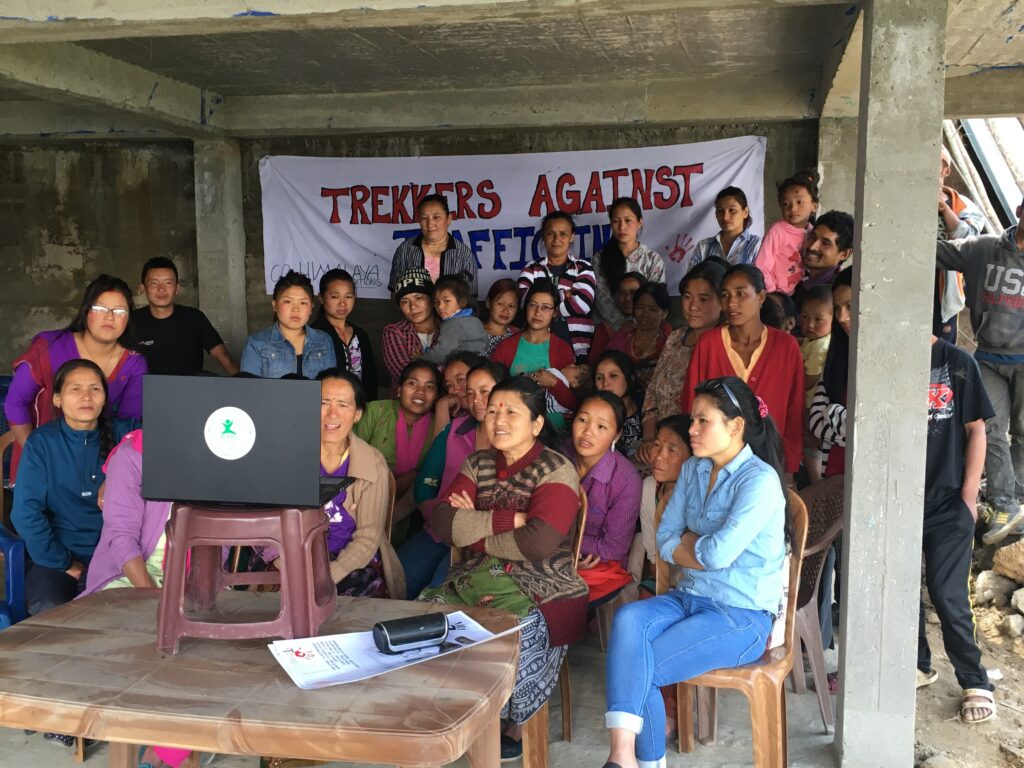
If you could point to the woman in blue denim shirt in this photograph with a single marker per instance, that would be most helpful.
(289, 345)
(726, 526)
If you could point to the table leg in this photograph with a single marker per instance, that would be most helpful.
(123, 755)
(485, 752)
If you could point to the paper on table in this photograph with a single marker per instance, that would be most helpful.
(317, 662)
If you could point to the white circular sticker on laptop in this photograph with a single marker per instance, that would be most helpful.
(229, 433)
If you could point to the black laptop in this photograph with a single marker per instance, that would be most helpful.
(222, 440)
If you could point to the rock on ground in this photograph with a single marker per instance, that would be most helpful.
(1009, 561)
(991, 587)
(1014, 625)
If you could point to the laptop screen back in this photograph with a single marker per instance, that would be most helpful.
(233, 441)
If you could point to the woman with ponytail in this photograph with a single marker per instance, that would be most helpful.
(56, 508)
(622, 254)
(725, 526)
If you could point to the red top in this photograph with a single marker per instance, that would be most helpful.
(777, 376)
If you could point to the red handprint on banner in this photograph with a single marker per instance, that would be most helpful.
(684, 244)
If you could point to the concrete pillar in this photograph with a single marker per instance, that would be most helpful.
(220, 240)
(900, 126)
(837, 162)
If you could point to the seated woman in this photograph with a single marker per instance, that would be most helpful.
(55, 501)
(290, 345)
(629, 284)
(424, 556)
(614, 373)
(502, 305)
(671, 448)
(701, 304)
(539, 353)
(514, 507)
(101, 332)
(352, 349)
(400, 430)
(403, 341)
(645, 338)
(767, 359)
(726, 526)
(613, 494)
(454, 402)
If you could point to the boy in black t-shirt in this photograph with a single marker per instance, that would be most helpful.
(172, 337)
(957, 409)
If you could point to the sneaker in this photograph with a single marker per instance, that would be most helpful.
(1002, 524)
(510, 749)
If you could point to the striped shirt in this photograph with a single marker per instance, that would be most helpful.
(457, 259)
(742, 251)
(577, 285)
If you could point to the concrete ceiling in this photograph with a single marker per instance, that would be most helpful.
(503, 53)
(217, 68)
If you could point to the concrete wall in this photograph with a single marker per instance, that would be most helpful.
(68, 213)
(71, 211)
(791, 146)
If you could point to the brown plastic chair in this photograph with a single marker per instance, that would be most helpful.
(824, 502)
(763, 681)
(535, 730)
(627, 594)
(308, 593)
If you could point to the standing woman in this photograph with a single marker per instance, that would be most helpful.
(623, 253)
(699, 294)
(614, 373)
(434, 249)
(424, 556)
(502, 305)
(289, 345)
(573, 278)
(514, 509)
(538, 353)
(644, 340)
(352, 349)
(734, 243)
(405, 340)
(100, 332)
(766, 359)
(725, 526)
(55, 501)
(613, 494)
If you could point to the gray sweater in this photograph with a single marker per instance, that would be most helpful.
(993, 270)
(463, 333)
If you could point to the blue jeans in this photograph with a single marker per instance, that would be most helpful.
(669, 639)
(424, 561)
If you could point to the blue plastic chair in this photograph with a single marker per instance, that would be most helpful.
(12, 608)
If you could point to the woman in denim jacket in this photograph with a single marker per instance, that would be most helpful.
(289, 346)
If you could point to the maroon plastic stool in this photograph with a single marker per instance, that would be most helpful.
(308, 594)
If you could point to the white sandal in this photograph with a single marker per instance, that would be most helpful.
(926, 678)
(988, 702)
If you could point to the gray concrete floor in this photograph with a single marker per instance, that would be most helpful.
(808, 744)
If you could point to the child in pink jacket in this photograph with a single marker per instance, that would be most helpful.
(779, 258)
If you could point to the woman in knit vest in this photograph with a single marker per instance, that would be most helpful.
(514, 507)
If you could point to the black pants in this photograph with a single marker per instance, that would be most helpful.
(947, 543)
(46, 588)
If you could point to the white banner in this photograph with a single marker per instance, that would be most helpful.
(324, 212)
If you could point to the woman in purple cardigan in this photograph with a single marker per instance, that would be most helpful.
(101, 332)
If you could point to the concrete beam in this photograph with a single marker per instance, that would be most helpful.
(79, 77)
(70, 20)
(894, 265)
(28, 121)
(842, 92)
(583, 104)
(991, 93)
(220, 239)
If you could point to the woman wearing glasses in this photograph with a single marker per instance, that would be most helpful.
(101, 333)
(725, 527)
(538, 353)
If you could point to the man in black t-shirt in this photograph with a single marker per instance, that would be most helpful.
(957, 410)
(173, 337)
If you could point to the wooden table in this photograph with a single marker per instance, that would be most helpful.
(91, 668)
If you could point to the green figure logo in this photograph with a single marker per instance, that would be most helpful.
(227, 428)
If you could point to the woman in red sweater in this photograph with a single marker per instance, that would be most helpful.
(767, 359)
